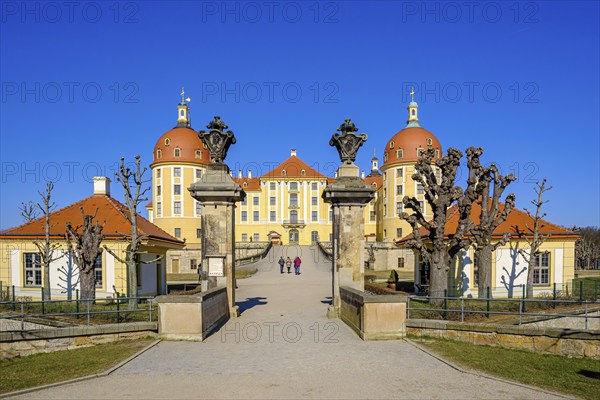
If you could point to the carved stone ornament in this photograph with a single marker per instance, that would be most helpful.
(348, 143)
(216, 140)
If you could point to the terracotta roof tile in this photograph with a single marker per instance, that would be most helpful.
(110, 211)
(252, 184)
(377, 179)
(517, 220)
(293, 167)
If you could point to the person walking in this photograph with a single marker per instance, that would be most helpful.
(281, 264)
(288, 264)
(297, 262)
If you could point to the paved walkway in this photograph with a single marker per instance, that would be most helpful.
(283, 346)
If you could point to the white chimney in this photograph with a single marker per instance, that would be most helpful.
(240, 174)
(101, 185)
(249, 174)
(293, 152)
(362, 174)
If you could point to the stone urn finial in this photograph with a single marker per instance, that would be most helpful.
(217, 140)
(348, 143)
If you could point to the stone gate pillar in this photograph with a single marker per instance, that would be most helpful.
(347, 195)
(218, 193)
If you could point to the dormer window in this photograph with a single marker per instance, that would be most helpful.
(375, 185)
(177, 152)
(420, 152)
(158, 153)
(204, 145)
(399, 153)
(283, 173)
(245, 185)
(385, 158)
(303, 172)
(437, 153)
(167, 142)
(391, 145)
(198, 154)
(429, 141)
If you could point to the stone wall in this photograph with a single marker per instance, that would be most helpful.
(373, 317)
(192, 317)
(54, 339)
(387, 256)
(567, 342)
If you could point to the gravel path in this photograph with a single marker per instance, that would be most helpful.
(283, 346)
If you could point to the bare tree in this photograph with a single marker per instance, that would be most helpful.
(132, 182)
(532, 235)
(29, 211)
(86, 251)
(489, 219)
(587, 248)
(441, 193)
(46, 248)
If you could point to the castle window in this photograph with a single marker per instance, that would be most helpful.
(177, 152)
(399, 190)
(244, 237)
(313, 186)
(400, 153)
(198, 173)
(392, 145)
(273, 216)
(374, 184)
(177, 232)
(385, 157)
(420, 152)
(193, 264)
(272, 200)
(177, 171)
(177, 207)
(541, 268)
(437, 153)
(167, 142)
(198, 154)
(399, 172)
(419, 188)
(98, 271)
(245, 185)
(413, 112)
(198, 233)
(176, 189)
(429, 141)
(255, 216)
(198, 208)
(255, 200)
(314, 216)
(314, 201)
(272, 185)
(399, 235)
(158, 173)
(158, 209)
(256, 237)
(158, 190)
(293, 185)
(399, 209)
(303, 172)
(158, 153)
(33, 269)
(283, 173)
(244, 216)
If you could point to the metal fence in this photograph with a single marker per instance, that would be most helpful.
(527, 310)
(21, 316)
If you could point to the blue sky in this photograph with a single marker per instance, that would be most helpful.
(86, 83)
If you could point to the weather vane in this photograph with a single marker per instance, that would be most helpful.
(412, 94)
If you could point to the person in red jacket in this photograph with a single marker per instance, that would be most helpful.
(297, 262)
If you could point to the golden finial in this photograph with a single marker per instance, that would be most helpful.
(182, 95)
(412, 94)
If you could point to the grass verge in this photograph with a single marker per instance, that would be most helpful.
(42, 369)
(244, 273)
(575, 376)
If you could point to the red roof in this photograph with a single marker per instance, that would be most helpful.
(110, 212)
(293, 167)
(190, 147)
(252, 184)
(410, 140)
(377, 179)
(517, 221)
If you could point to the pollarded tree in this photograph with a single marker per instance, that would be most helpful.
(47, 248)
(587, 248)
(532, 236)
(28, 211)
(438, 249)
(132, 182)
(85, 248)
(489, 219)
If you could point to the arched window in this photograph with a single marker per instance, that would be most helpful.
(385, 157)
(429, 141)
(392, 145)
(198, 154)
(158, 153)
(177, 152)
(400, 153)
(303, 172)
(167, 142)
(413, 111)
(283, 173)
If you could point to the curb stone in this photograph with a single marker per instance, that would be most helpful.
(483, 375)
(81, 378)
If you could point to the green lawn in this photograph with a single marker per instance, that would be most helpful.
(41, 369)
(575, 376)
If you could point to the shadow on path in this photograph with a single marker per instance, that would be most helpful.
(251, 302)
(327, 300)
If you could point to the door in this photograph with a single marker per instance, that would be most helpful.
(294, 236)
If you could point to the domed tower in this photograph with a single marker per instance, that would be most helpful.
(399, 158)
(180, 158)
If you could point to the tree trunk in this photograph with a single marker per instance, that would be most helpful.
(88, 283)
(132, 283)
(484, 256)
(530, 267)
(438, 274)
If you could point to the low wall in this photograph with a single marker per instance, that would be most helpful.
(192, 317)
(567, 342)
(18, 344)
(250, 252)
(373, 317)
